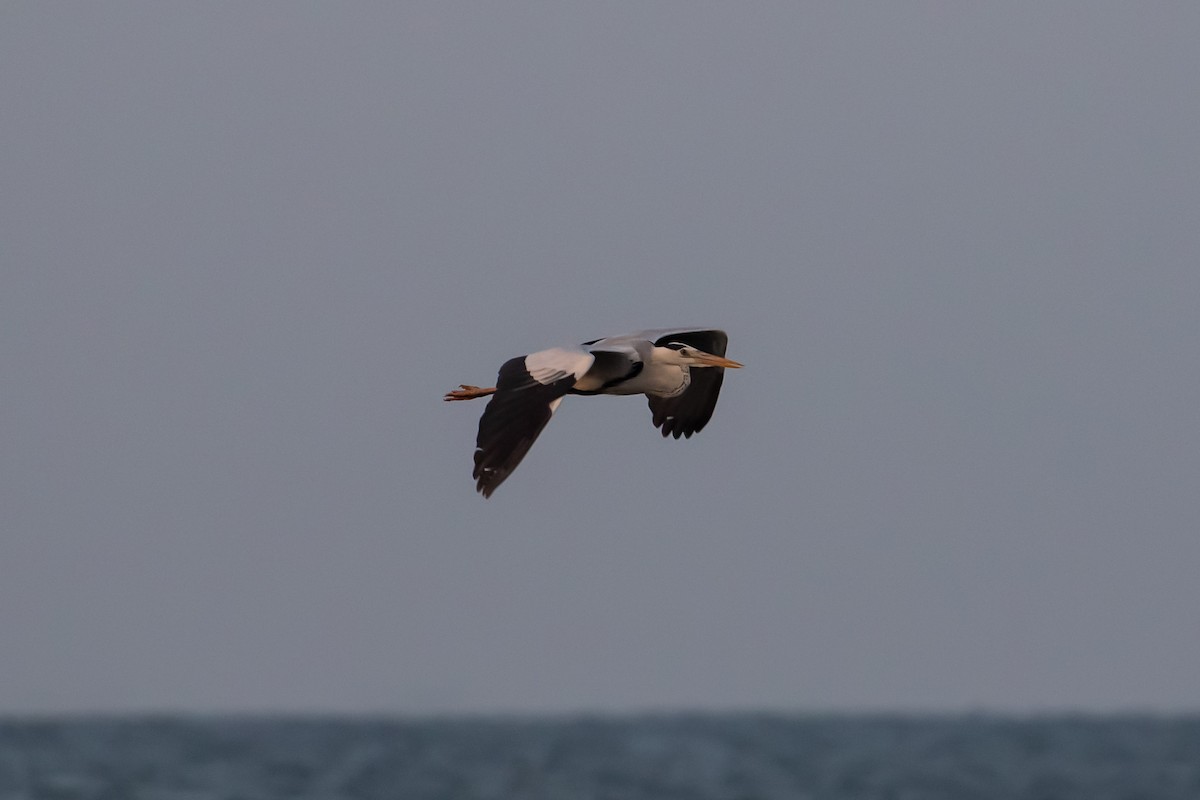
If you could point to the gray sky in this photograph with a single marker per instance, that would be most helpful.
(247, 247)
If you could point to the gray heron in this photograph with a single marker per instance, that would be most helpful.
(658, 363)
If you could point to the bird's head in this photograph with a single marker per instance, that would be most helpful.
(687, 356)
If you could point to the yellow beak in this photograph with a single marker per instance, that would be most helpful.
(709, 360)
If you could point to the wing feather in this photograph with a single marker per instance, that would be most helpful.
(689, 412)
(528, 390)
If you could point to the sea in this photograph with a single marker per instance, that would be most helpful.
(719, 756)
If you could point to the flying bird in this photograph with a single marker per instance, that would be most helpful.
(679, 369)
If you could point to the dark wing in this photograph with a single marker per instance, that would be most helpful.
(520, 408)
(689, 412)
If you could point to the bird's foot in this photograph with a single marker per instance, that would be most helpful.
(468, 392)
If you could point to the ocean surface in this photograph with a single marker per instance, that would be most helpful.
(730, 757)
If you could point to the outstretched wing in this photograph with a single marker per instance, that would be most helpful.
(528, 390)
(690, 411)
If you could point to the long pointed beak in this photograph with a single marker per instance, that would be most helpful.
(709, 360)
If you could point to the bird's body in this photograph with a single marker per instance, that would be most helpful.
(658, 363)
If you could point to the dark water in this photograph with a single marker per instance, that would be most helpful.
(731, 757)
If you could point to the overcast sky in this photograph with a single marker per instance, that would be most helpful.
(245, 248)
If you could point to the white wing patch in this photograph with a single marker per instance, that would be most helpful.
(548, 366)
